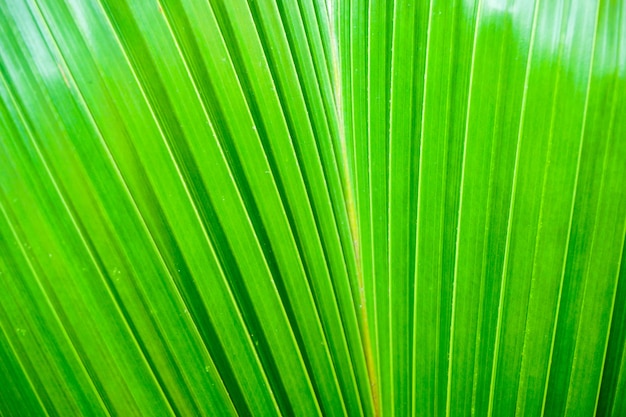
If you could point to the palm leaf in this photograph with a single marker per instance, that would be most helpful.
(312, 207)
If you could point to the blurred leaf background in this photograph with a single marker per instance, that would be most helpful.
(312, 207)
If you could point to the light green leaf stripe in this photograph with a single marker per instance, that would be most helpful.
(312, 207)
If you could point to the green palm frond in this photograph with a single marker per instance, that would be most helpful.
(312, 207)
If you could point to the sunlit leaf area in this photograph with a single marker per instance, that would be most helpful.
(312, 207)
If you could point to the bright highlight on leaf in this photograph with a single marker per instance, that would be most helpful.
(312, 207)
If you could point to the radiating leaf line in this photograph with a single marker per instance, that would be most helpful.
(347, 142)
(368, 299)
(478, 9)
(15, 361)
(483, 323)
(352, 43)
(572, 212)
(616, 293)
(609, 399)
(442, 364)
(594, 242)
(420, 181)
(529, 63)
(538, 234)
